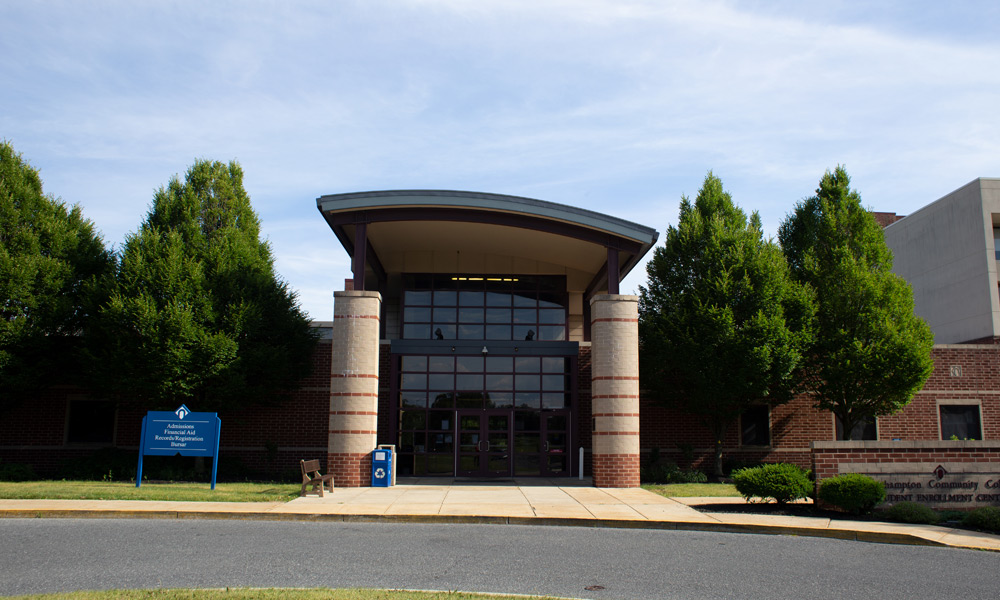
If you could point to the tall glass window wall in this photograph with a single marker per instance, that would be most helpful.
(473, 307)
(492, 414)
(534, 392)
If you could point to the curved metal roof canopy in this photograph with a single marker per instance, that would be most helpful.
(380, 230)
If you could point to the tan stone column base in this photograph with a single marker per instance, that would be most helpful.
(350, 470)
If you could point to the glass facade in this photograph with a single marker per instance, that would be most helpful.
(485, 414)
(444, 307)
(521, 404)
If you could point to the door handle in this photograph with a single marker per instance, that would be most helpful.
(487, 445)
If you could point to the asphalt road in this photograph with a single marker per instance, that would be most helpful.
(52, 555)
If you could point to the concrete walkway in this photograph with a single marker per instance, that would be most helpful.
(522, 502)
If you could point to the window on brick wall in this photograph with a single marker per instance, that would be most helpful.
(90, 422)
(960, 421)
(755, 427)
(865, 430)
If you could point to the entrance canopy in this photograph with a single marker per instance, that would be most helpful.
(449, 231)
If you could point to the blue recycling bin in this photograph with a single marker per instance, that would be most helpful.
(382, 467)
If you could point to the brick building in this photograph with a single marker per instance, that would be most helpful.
(960, 399)
(948, 252)
(485, 337)
(465, 329)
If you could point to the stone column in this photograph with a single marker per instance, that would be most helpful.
(353, 387)
(614, 336)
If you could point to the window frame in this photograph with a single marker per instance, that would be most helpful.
(969, 403)
(767, 410)
(837, 428)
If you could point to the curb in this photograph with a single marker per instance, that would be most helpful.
(840, 534)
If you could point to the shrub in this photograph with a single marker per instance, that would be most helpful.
(690, 476)
(107, 464)
(668, 472)
(781, 481)
(911, 512)
(852, 492)
(17, 472)
(986, 518)
(731, 465)
(954, 516)
(116, 464)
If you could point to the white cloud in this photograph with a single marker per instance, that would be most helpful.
(617, 106)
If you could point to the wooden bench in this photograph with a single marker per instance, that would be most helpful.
(312, 476)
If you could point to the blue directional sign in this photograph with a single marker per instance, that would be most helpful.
(169, 433)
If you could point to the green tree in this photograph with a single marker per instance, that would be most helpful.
(722, 326)
(196, 311)
(871, 352)
(49, 255)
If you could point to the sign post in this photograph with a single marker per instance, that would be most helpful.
(166, 433)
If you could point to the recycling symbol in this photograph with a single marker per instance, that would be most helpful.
(379, 473)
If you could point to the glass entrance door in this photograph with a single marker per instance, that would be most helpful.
(516, 415)
(555, 444)
(483, 443)
(542, 443)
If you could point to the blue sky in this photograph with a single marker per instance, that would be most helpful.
(618, 106)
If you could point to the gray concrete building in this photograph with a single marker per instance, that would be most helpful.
(947, 251)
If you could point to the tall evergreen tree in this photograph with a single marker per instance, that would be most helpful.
(49, 255)
(871, 352)
(197, 313)
(722, 326)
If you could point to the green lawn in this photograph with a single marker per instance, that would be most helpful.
(244, 492)
(267, 594)
(107, 490)
(693, 490)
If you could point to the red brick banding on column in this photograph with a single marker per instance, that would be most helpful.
(615, 390)
(354, 379)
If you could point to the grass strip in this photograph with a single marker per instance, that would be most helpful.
(694, 490)
(172, 491)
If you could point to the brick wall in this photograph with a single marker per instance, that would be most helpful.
(795, 425)
(828, 456)
(40, 421)
(352, 469)
(268, 439)
(969, 373)
(272, 439)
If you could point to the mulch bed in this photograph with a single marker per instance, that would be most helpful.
(783, 510)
